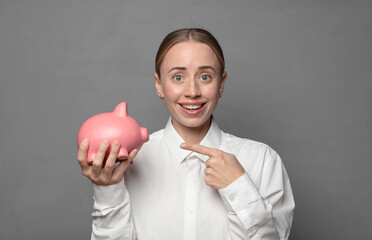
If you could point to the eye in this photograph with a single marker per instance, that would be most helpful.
(177, 78)
(205, 77)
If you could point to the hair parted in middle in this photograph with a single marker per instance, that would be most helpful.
(189, 34)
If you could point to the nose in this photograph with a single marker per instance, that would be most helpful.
(192, 89)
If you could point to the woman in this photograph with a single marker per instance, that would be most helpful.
(191, 180)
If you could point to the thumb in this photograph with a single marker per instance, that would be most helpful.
(123, 165)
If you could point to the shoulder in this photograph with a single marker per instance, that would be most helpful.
(232, 141)
(247, 148)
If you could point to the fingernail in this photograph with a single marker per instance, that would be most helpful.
(116, 144)
(105, 142)
(85, 141)
(182, 145)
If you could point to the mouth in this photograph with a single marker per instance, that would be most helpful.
(192, 107)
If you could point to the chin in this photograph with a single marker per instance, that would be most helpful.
(195, 123)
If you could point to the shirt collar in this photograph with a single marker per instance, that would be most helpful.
(212, 139)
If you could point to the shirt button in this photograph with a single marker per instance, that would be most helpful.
(192, 173)
(252, 232)
(189, 211)
(232, 197)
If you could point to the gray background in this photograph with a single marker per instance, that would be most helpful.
(299, 79)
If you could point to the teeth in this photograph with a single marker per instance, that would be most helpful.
(191, 107)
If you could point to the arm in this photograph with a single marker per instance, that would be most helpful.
(256, 210)
(264, 210)
(112, 213)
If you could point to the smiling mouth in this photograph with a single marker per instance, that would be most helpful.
(192, 107)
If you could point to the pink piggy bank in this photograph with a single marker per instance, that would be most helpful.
(116, 125)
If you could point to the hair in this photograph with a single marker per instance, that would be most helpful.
(188, 34)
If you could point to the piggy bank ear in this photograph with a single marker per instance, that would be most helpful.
(121, 109)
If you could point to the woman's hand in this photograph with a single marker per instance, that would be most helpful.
(101, 172)
(222, 168)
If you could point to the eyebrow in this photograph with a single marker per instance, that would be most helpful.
(201, 68)
(207, 67)
(176, 68)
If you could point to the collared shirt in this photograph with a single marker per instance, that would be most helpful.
(164, 194)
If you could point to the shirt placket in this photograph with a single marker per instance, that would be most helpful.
(192, 190)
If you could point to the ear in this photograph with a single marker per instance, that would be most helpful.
(158, 86)
(222, 84)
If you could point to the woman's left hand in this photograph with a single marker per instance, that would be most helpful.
(222, 168)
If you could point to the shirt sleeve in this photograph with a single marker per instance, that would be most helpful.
(112, 217)
(261, 210)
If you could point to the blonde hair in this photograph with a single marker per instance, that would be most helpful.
(188, 34)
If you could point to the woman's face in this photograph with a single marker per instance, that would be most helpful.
(191, 83)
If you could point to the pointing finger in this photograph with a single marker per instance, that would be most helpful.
(200, 149)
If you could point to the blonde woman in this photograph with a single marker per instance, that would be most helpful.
(191, 180)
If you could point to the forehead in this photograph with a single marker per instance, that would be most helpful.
(190, 54)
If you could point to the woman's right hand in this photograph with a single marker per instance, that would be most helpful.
(100, 172)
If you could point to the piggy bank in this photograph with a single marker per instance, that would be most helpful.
(113, 126)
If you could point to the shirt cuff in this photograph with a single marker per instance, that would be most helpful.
(110, 195)
(239, 193)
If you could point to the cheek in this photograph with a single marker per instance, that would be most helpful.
(211, 92)
(171, 92)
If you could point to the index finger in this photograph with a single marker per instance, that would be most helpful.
(199, 149)
(82, 153)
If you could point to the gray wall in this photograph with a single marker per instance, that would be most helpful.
(299, 79)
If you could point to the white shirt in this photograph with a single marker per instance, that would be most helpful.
(164, 195)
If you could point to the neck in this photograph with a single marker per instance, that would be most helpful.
(192, 134)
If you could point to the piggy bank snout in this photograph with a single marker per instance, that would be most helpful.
(144, 134)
